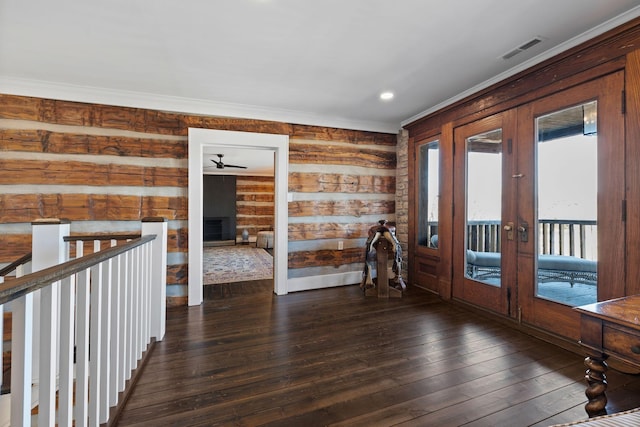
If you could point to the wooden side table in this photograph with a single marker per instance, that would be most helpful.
(608, 329)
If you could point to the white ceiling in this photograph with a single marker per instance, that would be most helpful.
(321, 62)
(257, 162)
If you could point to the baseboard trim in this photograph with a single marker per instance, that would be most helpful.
(308, 283)
(531, 330)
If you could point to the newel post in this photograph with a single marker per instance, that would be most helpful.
(48, 248)
(158, 306)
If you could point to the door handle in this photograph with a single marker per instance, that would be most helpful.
(523, 229)
(509, 229)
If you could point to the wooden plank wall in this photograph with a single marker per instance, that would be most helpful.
(106, 167)
(341, 186)
(255, 203)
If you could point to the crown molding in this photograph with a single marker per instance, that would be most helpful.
(76, 93)
(562, 47)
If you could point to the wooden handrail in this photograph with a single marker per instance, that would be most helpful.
(15, 264)
(569, 221)
(34, 281)
(93, 237)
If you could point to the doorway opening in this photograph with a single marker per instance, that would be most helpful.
(199, 139)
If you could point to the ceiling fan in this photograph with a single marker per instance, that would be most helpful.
(220, 165)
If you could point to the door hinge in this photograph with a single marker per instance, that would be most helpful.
(624, 102)
(509, 146)
(624, 210)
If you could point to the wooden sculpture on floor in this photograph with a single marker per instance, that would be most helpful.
(381, 243)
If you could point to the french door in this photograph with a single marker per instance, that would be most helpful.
(483, 205)
(539, 206)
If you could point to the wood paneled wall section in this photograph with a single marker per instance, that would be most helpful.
(255, 203)
(340, 188)
(106, 167)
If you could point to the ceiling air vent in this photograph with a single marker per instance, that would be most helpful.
(534, 41)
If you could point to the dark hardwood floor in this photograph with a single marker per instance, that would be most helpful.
(334, 357)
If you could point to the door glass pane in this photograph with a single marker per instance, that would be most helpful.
(567, 178)
(429, 170)
(484, 207)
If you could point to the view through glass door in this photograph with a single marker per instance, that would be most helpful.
(481, 253)
(567, 213)
(570, 201)
(538, 221)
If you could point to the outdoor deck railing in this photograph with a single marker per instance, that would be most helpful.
(555, 237)
(80, 326)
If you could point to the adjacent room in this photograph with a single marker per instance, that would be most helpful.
(238, 221)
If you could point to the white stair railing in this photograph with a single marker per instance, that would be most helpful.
(105, 302)
(17, 268)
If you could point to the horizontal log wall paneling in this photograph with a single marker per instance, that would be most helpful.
(45, 141)
(47, 172)
(126, 118)
(316, 133)
(106, 167)
(94, 207)
(356, 208)
(255, 203)
(342, 183)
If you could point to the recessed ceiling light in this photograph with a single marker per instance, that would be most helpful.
(386, 96)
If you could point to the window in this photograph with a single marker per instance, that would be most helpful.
(429, 193)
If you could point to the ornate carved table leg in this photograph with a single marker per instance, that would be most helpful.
(597, 385)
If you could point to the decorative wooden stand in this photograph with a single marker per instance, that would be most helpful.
(382, 290)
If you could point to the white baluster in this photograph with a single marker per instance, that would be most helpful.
(130, 363)
(114, 356)
(67, 306)
(135, 302)
(146, 300)
(141, 303)
(48, 355)
(105, 334)
(82, 342)
(95, 341)
(21, 360)
(124, 323)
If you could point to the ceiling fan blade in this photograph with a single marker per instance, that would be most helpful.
(221, 165)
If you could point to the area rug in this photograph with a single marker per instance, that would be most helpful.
(239, 263)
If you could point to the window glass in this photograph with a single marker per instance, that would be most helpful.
(484, 207)
(567, 183)
(429, 195)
